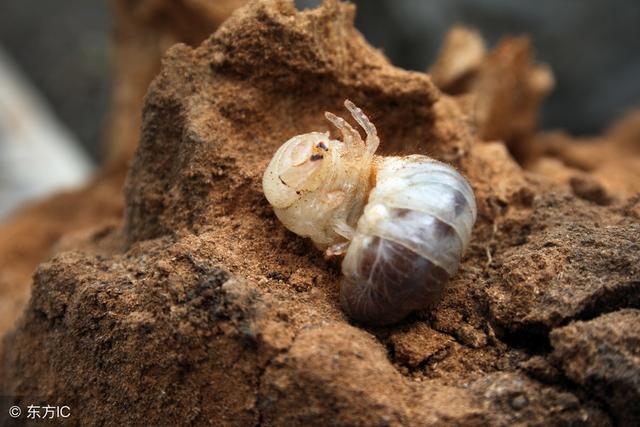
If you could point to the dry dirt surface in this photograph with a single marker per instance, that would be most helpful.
(506, 83)
(143, 31)
(202, 309)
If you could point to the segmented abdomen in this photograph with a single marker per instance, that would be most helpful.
(409, 240)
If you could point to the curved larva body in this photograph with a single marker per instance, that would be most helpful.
(408, 241)
(403, 245)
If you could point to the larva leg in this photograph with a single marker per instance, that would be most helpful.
(339, 219)
(351, 137)
(372, 134)
(337, 249)
(341, 227)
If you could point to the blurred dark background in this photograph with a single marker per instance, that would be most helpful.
(593, 47)
(63, 48)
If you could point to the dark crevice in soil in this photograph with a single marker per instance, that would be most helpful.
(626, 295)
(534, 337)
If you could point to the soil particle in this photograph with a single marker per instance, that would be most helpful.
(603, 356)
(419, 344)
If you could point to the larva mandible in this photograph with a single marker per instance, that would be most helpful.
(403, 222)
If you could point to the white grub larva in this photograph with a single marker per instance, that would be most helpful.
(403, 222)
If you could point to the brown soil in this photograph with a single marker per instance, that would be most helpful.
(144, 31)
(504, 87)
(31, 235)
(601, 169)
(201, 308)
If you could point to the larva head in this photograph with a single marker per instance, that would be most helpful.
(298, 168)
(302, 163)
(316, 185)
